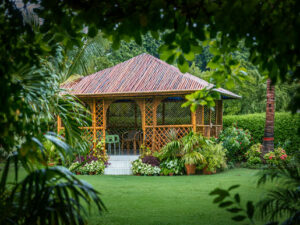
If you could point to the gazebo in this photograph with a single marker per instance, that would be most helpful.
(139, 102)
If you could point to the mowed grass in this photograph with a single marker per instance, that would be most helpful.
(155, 200)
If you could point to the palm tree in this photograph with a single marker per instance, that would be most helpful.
(284, 197)
(268, 141)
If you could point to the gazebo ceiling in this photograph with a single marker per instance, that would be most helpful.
(143, 74)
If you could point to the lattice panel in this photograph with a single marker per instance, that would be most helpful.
(162, 135)
(213, 116)
(170, 112)
(206, 115)
(99, 134)
(88, 135)
(99, 113)
(149, 112)
(88, 103)
(124, 114)
(148, 137)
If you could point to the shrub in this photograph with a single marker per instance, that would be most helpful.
(175, 166)
(214, 157)
(138, 167)
(286, 128)
(253, 156)
(151, 160)
(276, 157)
(96, 167)
(236, 141)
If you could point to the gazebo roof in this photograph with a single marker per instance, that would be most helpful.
(143, 74)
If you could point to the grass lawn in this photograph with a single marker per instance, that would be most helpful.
(155, 200)
(168, 200)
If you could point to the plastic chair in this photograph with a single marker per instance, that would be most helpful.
(109, 139)
(116, 141)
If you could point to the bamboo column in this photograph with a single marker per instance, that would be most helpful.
(194, 121)
(58, 124)
(94, 122)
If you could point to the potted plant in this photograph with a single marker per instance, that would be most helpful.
(192, 144)
(190, 160)
(215, 157)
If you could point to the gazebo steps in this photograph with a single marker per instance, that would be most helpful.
(120, 164)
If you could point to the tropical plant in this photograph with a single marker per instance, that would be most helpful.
(253, 156)
(214, 157)
(47, 195)
(193, 158)
(173, 148)
(236, 141)
(281, 201)
(193, 142)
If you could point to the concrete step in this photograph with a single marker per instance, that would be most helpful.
(120, 164)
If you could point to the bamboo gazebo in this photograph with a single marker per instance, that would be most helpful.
(139, 102)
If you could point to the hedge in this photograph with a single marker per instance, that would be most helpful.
(287, 127)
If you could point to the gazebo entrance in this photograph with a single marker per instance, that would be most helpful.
(124, 133)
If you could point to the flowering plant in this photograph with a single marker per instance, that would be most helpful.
(236, 141)
(138, 167)
(276, 157)
(174, 166)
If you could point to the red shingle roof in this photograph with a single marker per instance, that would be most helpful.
(141, 74)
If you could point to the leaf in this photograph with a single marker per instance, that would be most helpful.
(238, 218)
(225, 204)
(250, 209)
(233, 187)
(237, 198)
(234, 210)
(183, 65)
(189, 56)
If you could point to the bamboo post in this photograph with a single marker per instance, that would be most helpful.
(58, 124)
(194, 121)
(94, 122)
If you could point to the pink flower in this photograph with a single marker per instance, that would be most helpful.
(270, 157)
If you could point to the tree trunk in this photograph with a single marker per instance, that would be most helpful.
(268, 141)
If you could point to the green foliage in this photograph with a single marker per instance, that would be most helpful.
(276, 157)
(236, 141)
(193, 158)
(233, 204)
(285, 128)
(283, 198)
(253, 156)
(138, 167)
(215, 157)
(60, 199)
(175, 166)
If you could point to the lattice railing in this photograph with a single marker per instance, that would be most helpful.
(88, 135)
(162, 134)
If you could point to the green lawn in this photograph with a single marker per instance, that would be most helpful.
(158, 200)
(168, 200)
